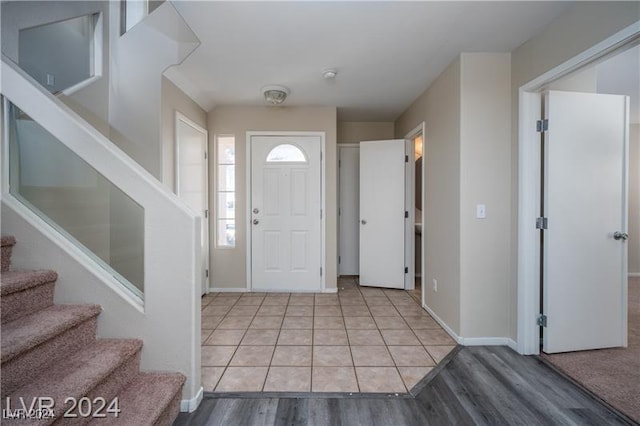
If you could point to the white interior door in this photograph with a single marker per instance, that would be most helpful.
(286, 213)
(191, 179)
(349, 210)
(382, 213)
(585, 277)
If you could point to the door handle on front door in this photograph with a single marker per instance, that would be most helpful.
(620, 236)
(364, 222)
(256, 221)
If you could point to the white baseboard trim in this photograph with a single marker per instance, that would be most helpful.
(473, 341)
(330, 290)
(444, 325)
(226, 290)
(634, 274)
(488, 341)
(191, 405)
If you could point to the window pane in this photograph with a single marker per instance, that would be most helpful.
(226, 233)
(226, 178)
(135, 11)
(286, 153)
(226, 150)
(226, 205)
(226, 197)
(58, 55)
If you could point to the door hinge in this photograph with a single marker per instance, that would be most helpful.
(406, 214)
(339, 259)
(339, 212)
(406, 158)
(542, 320)
(320, 213)
(206, 273)
(339, 163)
(406, 269)
(206, 214)
(321, 271)
(205, 155)
(542, 223)
(542, 125)
(320, 155)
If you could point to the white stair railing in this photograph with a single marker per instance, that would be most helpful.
(166, 316)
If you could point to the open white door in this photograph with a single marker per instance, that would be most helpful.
(191, 179)
(585, 254)
(286, 217)
(383, 225)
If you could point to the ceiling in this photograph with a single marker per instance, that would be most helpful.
(386, 53)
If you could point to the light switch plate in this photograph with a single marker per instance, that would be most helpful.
(481, 211)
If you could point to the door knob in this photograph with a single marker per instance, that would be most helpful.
(620, 236)
(256, 211)
(256, 221)
(364, 222)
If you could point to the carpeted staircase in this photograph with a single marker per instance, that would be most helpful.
(51, 352)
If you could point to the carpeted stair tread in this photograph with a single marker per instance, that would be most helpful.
(14, 281)
(7, 240)
(145, 399)
(76, 375)
(27, 332)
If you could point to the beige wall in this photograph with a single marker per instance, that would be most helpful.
(485, 172)
(634, 199)
(174, 99)
(578, 29)
(439, 108)
(358, 131)
(467, 162)
(228, 266)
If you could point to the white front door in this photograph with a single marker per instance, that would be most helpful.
(349, 210)
(383, 225)
(285, 208)
(585, 253)
(191, 179)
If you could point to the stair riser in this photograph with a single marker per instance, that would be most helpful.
(26, 366)
(6, 257)
(108, 389)
(22, 303)
(171, 412)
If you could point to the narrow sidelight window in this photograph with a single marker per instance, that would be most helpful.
(226, 191)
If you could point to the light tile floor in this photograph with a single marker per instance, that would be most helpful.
(362, 339)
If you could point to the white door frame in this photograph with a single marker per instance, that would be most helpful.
(420, 129)
(323, 198)
(339, 146)
(176, 180)
(530, 98)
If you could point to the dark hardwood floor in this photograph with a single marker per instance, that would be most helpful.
(478, 385)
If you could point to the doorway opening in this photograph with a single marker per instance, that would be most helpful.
(599, 75)
(416, 136)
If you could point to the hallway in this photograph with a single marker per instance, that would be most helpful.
(360, 340)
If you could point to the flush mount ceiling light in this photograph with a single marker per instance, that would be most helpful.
(275, 95)
(329, 74)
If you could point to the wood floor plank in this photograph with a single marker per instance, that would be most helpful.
(478, 386)
(292, 411)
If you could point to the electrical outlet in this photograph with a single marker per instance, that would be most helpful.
(51, 80)
(435, 285)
